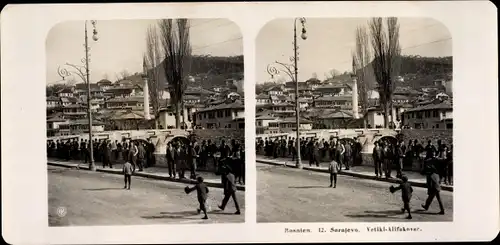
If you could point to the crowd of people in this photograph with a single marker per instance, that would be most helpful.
(199, 156)
(139, 153)
(181, 155)
(345, 152)
(388, 154)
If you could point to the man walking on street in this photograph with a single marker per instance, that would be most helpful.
(333, 169)
(228, 181)
(433, 187)
(127, 170)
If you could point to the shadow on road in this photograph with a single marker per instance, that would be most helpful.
(57, 171)
(191, 214)
(388, 214)
(378, 214)
(309, 187)
(103, 189)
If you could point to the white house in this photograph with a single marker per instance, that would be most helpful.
(263, 99)
(225, 115)
(437, 115)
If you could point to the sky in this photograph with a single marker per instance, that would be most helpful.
(122, 43)
(330, 42)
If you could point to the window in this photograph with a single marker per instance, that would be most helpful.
(241, 125)
(437, 125)
(435, 114)
(228, 125)
(449, 126)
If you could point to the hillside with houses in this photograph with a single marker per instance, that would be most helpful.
(119, 105)
(422, 99)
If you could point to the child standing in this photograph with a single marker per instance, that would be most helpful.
(201, 191)
(127, 170)
(333, 169)
(406, 191)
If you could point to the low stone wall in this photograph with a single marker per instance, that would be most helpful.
(423, 135)
(218, 135)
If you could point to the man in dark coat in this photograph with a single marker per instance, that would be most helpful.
(106, 154)
(228, 181)
(348, 155)
(150, 153)
(170, 154)
(378, 156)
(399, 156)
(141, 156)
(358, 147)
(433, 187)
(191, 158)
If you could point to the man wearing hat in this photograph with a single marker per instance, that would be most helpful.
(433, 187)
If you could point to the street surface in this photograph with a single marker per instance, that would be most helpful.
(82, 198)
(293, 195)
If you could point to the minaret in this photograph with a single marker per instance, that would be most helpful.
(145, 90)
(354, 91)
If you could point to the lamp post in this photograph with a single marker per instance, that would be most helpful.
(292, 71)
(84, 73)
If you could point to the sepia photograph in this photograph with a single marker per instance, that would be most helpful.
(354, 120)
(145, 122)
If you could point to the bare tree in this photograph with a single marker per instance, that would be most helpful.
(332, 74)
(122, 75)
(152, 61)
(361, 61)
(387, 52)
(177, 49)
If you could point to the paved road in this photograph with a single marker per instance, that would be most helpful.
(292, 195)
(93, 198)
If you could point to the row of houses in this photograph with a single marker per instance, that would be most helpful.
(121, 106)
(329, 105)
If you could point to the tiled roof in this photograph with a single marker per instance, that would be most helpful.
(104, 82)
(332, 86)
(274, 88)
(281, 104)
(433, 106)
(262, 96)
(191, 97)
(235, 105)
(53, 98)
(293, 120)
(56, 119)
(337, 115)
(334, 98)
(85, 122)
(126, 99)
(73, 106)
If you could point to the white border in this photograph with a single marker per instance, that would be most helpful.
(24, 189)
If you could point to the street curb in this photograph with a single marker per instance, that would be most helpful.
(357, 175)
(149, 176)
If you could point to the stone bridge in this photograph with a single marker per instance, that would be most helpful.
(367, 136)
